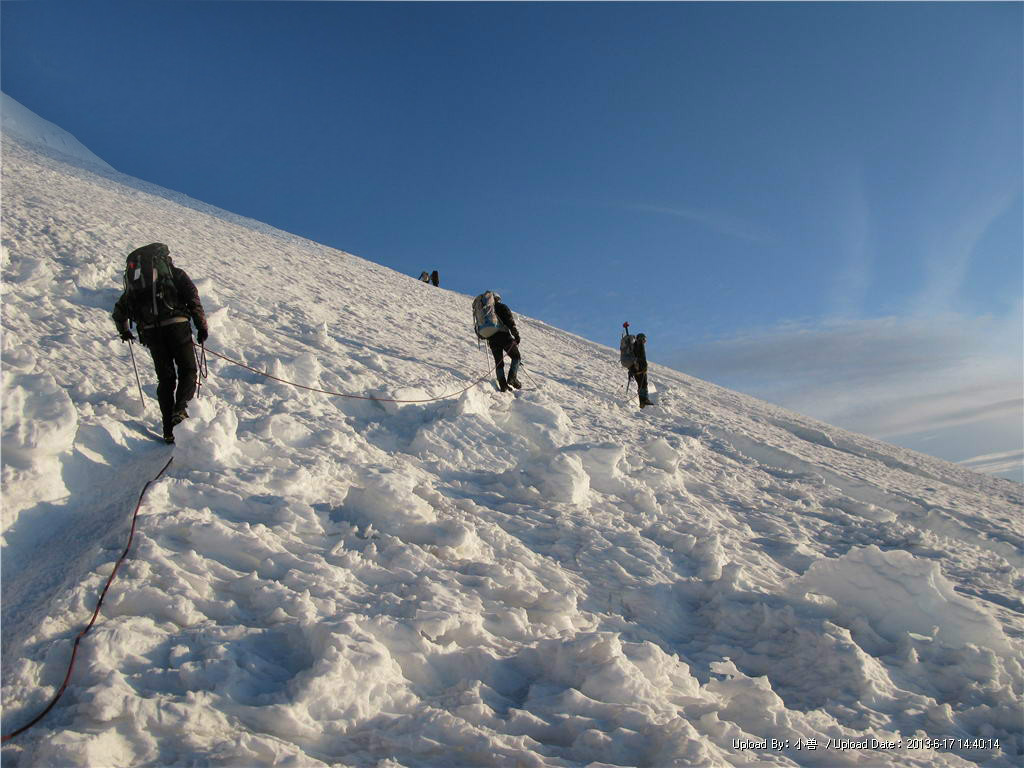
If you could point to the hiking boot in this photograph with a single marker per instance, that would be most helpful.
(179, 415)
(515, 383)
(169, 438)
(645, 402)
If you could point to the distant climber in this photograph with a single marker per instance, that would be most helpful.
(435, 278)
(633, 356)
(424, 277)
(494, 322)
(160, 299)
(639, 368)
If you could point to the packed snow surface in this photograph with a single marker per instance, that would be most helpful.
(554, 578)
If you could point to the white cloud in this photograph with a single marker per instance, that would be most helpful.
(1006, 463)
(943, 384)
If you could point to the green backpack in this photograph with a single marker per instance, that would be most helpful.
(149, 284)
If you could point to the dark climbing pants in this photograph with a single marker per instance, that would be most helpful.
(500, 343)
(171, 348)
(641, 381)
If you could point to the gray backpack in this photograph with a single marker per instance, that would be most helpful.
(485, 317)
(626, 355)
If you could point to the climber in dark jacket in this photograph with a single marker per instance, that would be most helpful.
(167, 336)
(638, 370)
(505, 341)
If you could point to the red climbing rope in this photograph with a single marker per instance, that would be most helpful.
(342, 394)
(78, 639)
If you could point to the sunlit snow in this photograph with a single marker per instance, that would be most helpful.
(554, 578)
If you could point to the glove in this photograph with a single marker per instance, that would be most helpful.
(202, 334)
(516, 337)
(126, 335)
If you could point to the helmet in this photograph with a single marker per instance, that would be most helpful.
(642, 338)
(497, 296)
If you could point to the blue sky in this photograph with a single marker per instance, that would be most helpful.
(818, 204)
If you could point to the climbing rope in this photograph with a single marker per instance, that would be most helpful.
(494, 366)
(202, 369)
(522, 368)
(526, 370)
(78, 639)
(343, 394)
(629, 397)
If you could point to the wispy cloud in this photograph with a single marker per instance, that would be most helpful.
(869, 350)
(723, 223)
(902, 413)
(887, 377)
(1005, 463)
(951, 246)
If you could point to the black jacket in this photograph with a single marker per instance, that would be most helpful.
(189, 305)
(507, 319)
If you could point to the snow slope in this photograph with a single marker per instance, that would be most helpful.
(18, 121)
(550, 579)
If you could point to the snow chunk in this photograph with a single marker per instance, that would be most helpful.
(663, 455)
(473, 402)
(39, 423)
(544, 424)
(354, 676)
(17, 357)
(386, 499)
(213, 443)
(603, 462)
(39, 418)
(561, 478)
(605, 697)
(71, 748)
(918, 598)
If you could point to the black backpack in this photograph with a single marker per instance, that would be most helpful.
(627, 356)
(149, 285)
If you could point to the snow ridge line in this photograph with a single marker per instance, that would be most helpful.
(343, 394)
(78, 639)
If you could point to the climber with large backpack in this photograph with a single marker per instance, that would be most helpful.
(633, 356)
(494, 323)
(160, 299)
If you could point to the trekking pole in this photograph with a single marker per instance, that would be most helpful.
(492, 366)
(137, 379)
